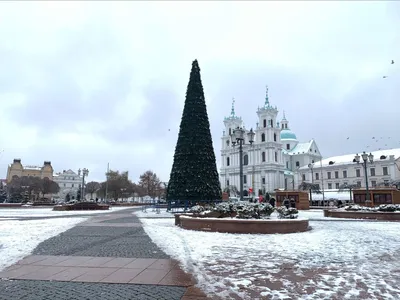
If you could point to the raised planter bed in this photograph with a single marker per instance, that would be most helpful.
(81, 206)
(382, 216)
(10, 205)
(233, 225)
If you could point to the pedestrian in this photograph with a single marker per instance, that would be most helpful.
(260, 198)
(339, 203)
(286, 202)
(292, 203)
(272, 202)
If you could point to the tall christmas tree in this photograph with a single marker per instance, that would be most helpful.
(194, 173)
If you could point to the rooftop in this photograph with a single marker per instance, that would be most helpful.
(300, 148)
(348, 158)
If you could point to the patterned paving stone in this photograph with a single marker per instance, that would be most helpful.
(46, 290)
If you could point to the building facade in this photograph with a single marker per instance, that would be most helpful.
(17, 169)
(274, 158)
(332, 172)
(69, 183)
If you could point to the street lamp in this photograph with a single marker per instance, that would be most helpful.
(237, 137)
(311, 167)
(251, 135)
(365, 157)
(85, 172)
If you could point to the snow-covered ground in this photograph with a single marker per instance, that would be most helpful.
(48, 212)
(19, 238)
(337, 259)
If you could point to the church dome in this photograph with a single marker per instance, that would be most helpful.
(287, 134)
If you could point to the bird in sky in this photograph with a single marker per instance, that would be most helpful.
(385, 77)
(348, 137)
(392, 62)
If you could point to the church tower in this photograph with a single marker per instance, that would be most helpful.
(269, 146)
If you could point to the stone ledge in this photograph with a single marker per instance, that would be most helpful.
(244, 226)
(382, 216)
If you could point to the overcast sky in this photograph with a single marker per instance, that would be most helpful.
(83, 84)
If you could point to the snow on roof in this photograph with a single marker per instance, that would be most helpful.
(300, 148)
(348, 158)
(332, 194)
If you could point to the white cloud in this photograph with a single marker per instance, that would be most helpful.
(103, 67)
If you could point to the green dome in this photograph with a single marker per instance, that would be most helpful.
(286, 134)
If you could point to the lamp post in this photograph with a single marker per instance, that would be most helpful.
(365, 157)
(85, 172)
(237, 137)
(311, 167)
(251, 134)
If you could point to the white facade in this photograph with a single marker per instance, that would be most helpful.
(69, 182)
(338, 170)
(271, 162)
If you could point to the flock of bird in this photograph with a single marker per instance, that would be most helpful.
(381, 140)
(392, 63)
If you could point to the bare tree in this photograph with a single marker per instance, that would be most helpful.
(92, 187)
(348, 187)
(312, 187)
(391, 183)
(150, 183)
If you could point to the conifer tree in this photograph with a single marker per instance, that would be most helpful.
(194, 173)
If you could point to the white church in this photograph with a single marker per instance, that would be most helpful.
(272, 161)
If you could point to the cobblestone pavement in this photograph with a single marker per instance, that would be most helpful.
(44, 290)
(103, 241)
(117, 234)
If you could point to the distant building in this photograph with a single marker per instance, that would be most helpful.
(69, 182)
(338, 170)
(17, 169)
(272, 161)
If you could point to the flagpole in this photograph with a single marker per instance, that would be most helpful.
(108, 171)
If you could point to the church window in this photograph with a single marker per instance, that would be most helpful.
(245, 160)
(263, 156)
(230, 131)
(271, 123)
(276, 156)
(263, 137)
(227, 143)
(227, 182)
(263, 180)
(265, 123)
(283, 126)
(274, 137)
(72, 185)
(227, 161)
(297, 164)
(286, 126)
(287, 165)
(287, 146)
(304, 177)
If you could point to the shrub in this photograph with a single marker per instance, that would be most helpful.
(287, 213)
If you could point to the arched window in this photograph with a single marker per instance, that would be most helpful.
(297, 164)
(230, 131)
(265, 123)
(263, 156)
(245, 160)
(274, 137)
(276, 156)
(263, 137)
(228, 161)
(227, 143)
